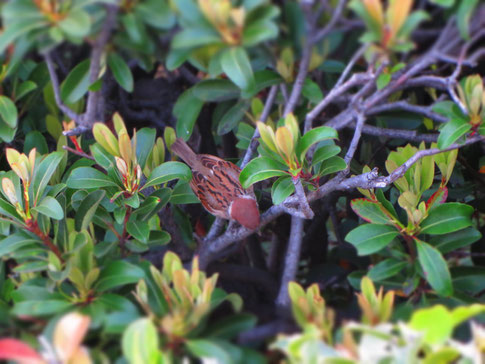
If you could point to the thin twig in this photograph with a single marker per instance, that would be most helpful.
(253, 144)
(57, 91)
(292, 256)
(331, 24)
(355, 140)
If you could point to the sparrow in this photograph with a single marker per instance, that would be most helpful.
(216, 184)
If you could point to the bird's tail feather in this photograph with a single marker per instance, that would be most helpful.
(182, 149)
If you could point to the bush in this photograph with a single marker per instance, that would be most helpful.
(341, 146)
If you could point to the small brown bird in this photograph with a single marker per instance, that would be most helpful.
(216, 184)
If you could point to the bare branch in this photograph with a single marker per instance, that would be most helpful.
(404, 105)
(331, 24)
(292, 257)
(57, 91)
(355, 141)
(264, 115)
(302, 199)
(300, 79)
(411, 135)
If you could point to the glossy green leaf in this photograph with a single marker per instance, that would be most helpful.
(17, 241)
(168, 171)
(235, 63)
(140, 230)
(145, 140)
(281, 189)
(452, 131)
(118, 273)
(24, 89)
(259, 169)
(314, 136)
(454, 241)
(216, 90)
(435, 269)
(195, 37)
(386, 269)
(332, 165)
(463, 16)
(121, 71)
(50, 207)
(44, 172)
(87, 209)
(259, 31)
(140, 342)
(186, 110)
(76, 84)
(447, 218)
(232, 117)
(8, 111)
(370, 238)
(370, 211)
(76, 24)
(208, 349)
(18, 29)
(325, 152)
(87, 177)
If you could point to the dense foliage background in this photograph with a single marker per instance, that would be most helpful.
(359, 124)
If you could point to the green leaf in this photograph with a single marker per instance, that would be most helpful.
(332, 165)
(186, 110)
(195, 37)
(312, 91)
(17, 241)
(258, 32)
(452, 131)
(18, 29)
(145, 140)
(8, 111)
(76, 83)
(370, 211)
(35, 139)
(464, 13)
(266, 78)
(41, 308)
(259, 169)
(156, 13)
(232, 117)
(281, 189)
(118, 273)
(168, 171)
(435, 269)
(235, 63)
(24, 89)
(370, 238)
(183, 194)
(314, 136)
(447, 218)
(140, 342)
(325, 152)
(121, 71)
(87, 209)
(44, 172)
(50, 208)
(458, 239)
(436, 323)
(207, 349)
(76, 24)
(383, 80)
(140, 230)
(87, 177)
(386, 269)
(216, 90)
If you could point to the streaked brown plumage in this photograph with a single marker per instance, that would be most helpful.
(216, 183)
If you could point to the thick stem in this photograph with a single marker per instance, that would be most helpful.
(291, 262)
